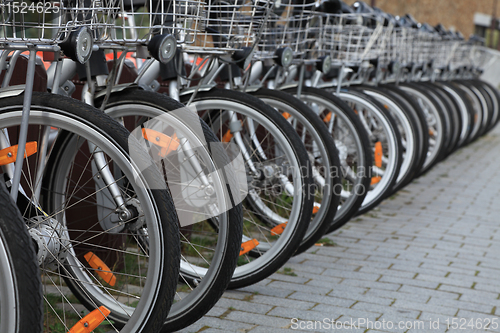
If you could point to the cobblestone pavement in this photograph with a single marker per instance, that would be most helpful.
(428, 253)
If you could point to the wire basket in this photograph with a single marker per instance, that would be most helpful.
(291, 24)
(199, 26)
(398, 46)
(462, 55)
(351, 38)
(382, 46)
(49, 22)
(482, 57)
(444, 49)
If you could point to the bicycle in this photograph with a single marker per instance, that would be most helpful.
(129, 207)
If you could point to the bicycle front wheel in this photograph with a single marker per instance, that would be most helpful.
(116, 251)
(210, 247)
(278, 208)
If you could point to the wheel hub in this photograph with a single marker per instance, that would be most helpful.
(51, 240)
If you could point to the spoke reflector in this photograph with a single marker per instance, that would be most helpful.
(378, 154)
(167, 143)
(90, 322)
(316, 207)
(286, 115)
(101, 268)
(227, 137)
(278, 230)
(248, 246)
(376, 180)
(9, 154)
(328, 117)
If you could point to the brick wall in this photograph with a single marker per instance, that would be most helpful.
(456, 13)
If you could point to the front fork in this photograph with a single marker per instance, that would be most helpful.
(64, 70)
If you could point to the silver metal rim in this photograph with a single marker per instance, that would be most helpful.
(282, 242)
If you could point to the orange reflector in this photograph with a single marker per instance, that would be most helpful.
(355, 111)
(101, 268)
(286, 115)
(376, 180)
(328, 117)
(431, 132)
(378, 154)
(385, 106)
(227, 137)
(199, 61)
(248, 246)
(90, 322)
(315, 209)
(9, 154)
(168, 144)
(278, 230)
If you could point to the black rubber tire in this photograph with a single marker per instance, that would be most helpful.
(397, 137)
(416, 135)
(412, 106)
(452, 109)
(333, 155)
(301, 155)
(342, 219)
(447, 116)
(485, 101)
(441, 148)
(24, 266)
(495, 96)
(477, 108)
(82, 113)
(463, 103)
(179, 320)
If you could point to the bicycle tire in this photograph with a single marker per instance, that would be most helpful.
(322, 138)
(408, 128)
(69, 115)
(19, 272)
(392, 151)
(189, 309)
(324, 103)
(212, 105)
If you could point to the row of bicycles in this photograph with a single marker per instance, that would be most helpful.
(158, 152)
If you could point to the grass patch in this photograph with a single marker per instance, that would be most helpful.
(327, 242)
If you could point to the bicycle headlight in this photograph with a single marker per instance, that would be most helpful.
(84, 44)
(325, 64)
(395, 67)
(78, 46)
(163, 48)
(284, 56)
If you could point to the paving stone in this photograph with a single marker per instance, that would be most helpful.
(285, 302)
(250, 318)
(430, 252)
